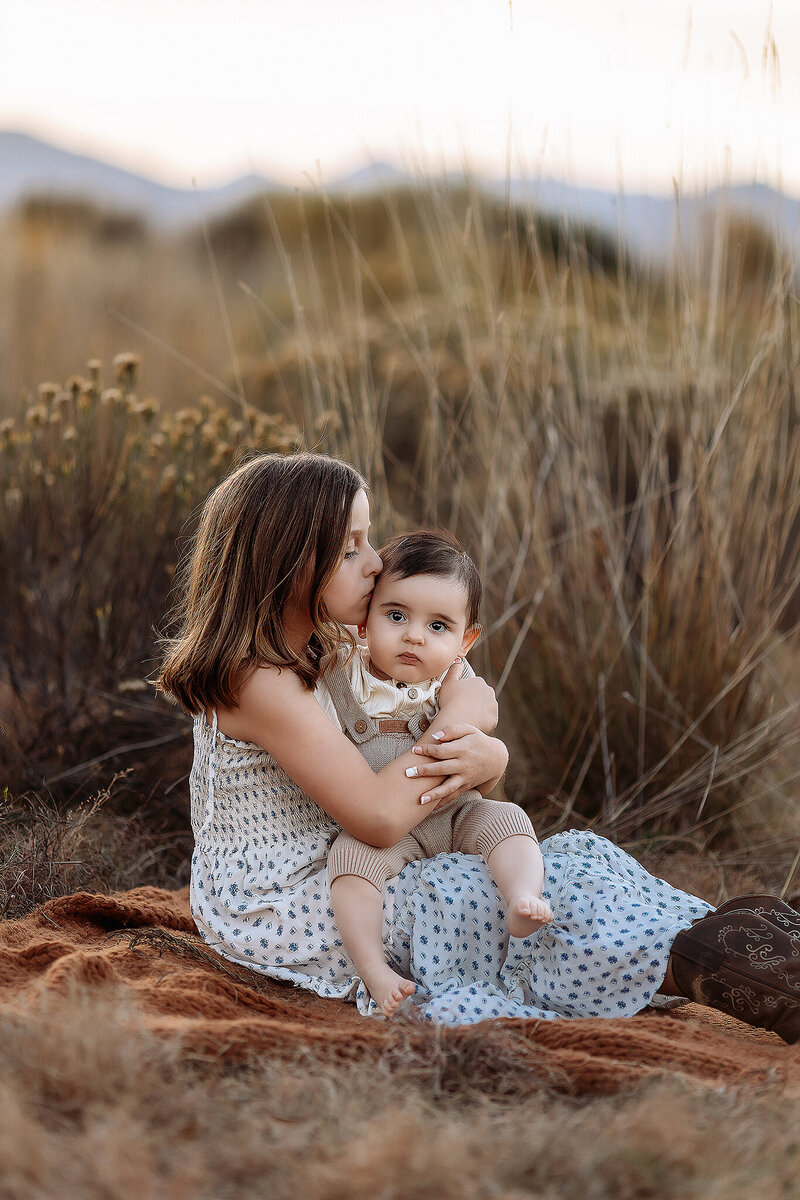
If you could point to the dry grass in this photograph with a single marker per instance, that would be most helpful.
(49, 850)
(94, 1106)
(620, 452)
(619, 449)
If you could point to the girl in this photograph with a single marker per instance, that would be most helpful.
(282, 561)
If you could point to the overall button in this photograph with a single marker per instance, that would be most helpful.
(412, 693)
(360, 726)
(424, 723)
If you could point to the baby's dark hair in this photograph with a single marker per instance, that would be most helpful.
(434, 552)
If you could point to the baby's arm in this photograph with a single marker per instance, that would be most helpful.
(448, 745)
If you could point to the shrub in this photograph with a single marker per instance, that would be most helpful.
(97, 487)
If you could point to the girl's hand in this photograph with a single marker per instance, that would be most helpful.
(468, 757)
(472, 696)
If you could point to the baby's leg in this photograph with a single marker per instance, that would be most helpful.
(358, 908)
(503, 834)
(516, 866)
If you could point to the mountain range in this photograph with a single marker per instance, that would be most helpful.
(648, 223)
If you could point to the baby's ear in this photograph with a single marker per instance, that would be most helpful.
(470, 638)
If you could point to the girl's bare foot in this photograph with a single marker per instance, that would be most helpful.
(387, 988)
(526, 914)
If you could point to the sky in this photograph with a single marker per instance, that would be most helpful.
(631, 95)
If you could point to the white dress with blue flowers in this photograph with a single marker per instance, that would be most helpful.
(259, 896)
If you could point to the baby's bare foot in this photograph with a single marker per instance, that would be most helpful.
(526, 914)
(388, 989)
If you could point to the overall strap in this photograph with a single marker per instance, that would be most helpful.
(417, 725)
(358, 724)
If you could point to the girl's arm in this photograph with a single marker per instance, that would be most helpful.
(461, 751)
(275, 711)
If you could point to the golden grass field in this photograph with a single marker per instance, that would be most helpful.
(617, 444)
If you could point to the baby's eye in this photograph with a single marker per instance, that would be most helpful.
(395, 616)
(439, 627)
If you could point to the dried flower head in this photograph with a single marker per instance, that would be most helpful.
(149, 408)
(13, 497)
(126, 366)
(70, 434)
(7, 428)
(47, 391)
(110, 397)
(75, 384)
(190, 418)
(36, 415)
(168, 477)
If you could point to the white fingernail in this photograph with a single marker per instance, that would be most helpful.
(411, 772)
(437, 737)
(425, 799)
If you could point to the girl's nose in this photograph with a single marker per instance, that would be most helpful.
(374, 564)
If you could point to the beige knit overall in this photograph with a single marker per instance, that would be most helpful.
(468, 824)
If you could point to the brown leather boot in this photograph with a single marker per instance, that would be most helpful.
(744, 964)
(775, 910)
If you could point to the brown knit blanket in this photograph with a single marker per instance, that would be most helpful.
(143, 943)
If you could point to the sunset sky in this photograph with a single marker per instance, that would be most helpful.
(629, 94)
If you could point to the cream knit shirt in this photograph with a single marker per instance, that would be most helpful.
(382, 698)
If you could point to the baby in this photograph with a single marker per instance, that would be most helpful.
(423, 617)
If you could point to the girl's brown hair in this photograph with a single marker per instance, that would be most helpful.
(272, 533)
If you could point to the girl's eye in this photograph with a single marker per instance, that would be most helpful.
(395, 616)
(351, 553)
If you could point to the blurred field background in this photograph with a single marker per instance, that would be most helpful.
(616, 442)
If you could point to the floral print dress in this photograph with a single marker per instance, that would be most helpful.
(260, 896)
